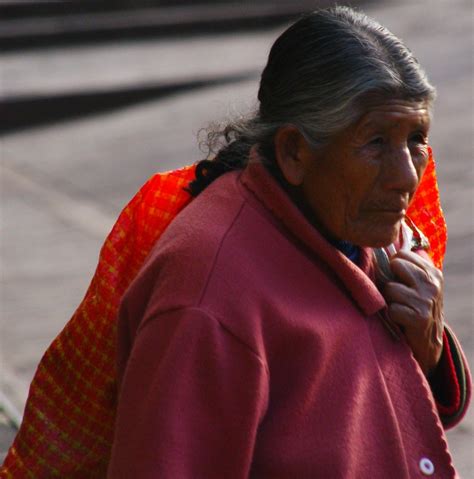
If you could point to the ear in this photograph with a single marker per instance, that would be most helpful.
(292, 153)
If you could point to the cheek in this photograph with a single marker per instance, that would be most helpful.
(359, 187)
(337, 190)
(420, 158)
(337, 195)
(335, 199)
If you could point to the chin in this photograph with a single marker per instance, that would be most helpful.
(378, 237)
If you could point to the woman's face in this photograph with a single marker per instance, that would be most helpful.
(359, 186)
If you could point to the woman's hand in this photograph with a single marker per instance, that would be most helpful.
(415, 302)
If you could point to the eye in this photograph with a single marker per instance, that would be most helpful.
(376, 141)
(418, 138)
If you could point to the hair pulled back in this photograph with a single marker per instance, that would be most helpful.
(319, 75)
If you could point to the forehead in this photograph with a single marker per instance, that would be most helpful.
(397, 113)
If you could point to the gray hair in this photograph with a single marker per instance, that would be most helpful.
(320, 74)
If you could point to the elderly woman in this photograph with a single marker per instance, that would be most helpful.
(263, 338)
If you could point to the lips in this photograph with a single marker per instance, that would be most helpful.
(391, 212)
(401, 212)
(392, 215)
(396, 208)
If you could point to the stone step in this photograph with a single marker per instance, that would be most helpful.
(155, 20)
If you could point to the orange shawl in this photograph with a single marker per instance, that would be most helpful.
(68, 423)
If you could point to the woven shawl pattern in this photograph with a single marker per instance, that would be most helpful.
(425, 211)
(68, 423)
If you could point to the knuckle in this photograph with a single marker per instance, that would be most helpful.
(426, 308)
(425, 277)
(435, 275)
(432, 290)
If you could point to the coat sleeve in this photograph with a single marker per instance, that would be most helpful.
(451, 383)
(191, 399)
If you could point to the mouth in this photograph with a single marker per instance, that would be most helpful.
(399, 212)
(389, 207)
(390, 214)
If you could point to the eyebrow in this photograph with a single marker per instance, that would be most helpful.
(371, 124)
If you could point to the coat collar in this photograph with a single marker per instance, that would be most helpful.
(356, 278)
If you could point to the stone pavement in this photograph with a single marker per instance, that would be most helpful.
(7, 434)
(63, 184)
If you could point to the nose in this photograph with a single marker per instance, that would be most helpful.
(401, 173)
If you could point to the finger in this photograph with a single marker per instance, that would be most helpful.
(398, 293)
(434, 275)
(402, 294)
(408, 273)
(415, 258)
(404, 315)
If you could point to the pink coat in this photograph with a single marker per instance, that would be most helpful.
(251, 347)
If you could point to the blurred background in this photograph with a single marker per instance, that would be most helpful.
(96, 96)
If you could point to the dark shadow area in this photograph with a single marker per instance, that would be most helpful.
(69, 23)
(20, 8)
(103, 34)
(25, 112)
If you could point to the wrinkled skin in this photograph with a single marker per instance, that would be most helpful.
(357, 188)
(415, 302)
